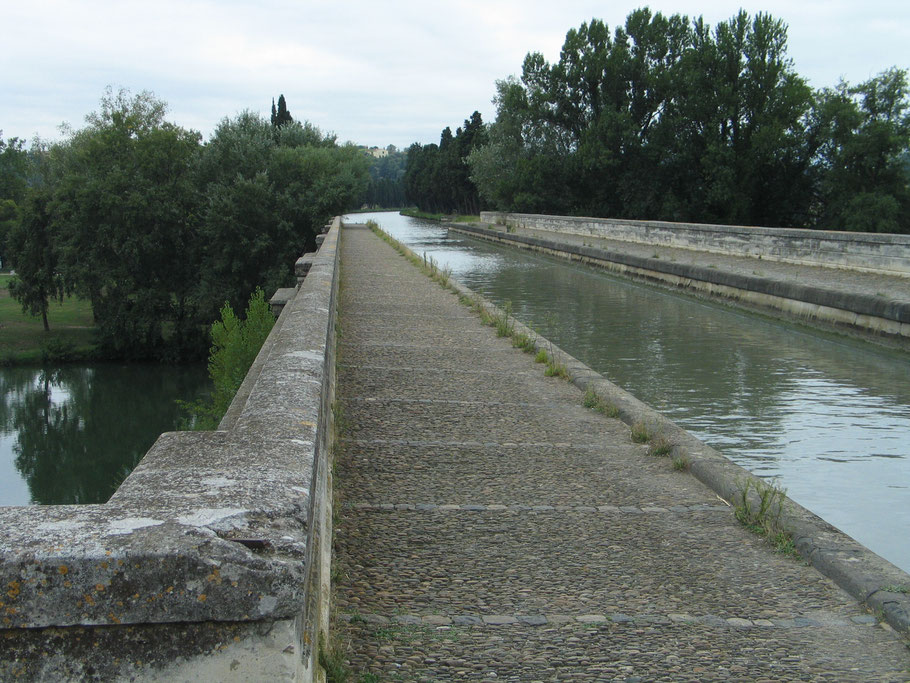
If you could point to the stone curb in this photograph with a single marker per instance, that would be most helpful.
(862, 573)
(898, 311)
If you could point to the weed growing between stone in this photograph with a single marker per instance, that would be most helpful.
(639, 433)
(431, 268)
(555, 369)
(407, 633)
(331, 660)
(542, 357)
(524, 342)
(765, 518)
(681, 463)
(895, 589)
(597, 403)
(503, 321)
(660, 447)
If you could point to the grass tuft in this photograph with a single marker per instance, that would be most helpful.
(503, 321)
(524, 342)
(660, 447)
(555, 369)
(594, 402)
(764, 518)
(681, 463)
(639, 433)
(331, 659)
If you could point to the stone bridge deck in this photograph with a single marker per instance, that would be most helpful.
(491, 527)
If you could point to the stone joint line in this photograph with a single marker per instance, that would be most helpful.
(446, 401)
(387, 345)
(471, 444)
(470, 507)
(711, 620)
(424, 369)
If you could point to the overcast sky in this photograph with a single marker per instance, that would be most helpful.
(372, 72)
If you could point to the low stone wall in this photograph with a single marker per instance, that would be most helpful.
(211, 561)
(863, 251)
(876, 318)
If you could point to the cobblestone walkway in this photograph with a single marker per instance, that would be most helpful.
(492, 528)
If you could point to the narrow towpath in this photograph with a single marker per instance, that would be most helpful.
(892, 287)
(492, 528)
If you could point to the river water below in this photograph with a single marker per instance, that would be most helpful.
(71, 434)
(828, 417)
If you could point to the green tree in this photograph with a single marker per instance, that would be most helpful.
(437, 178)
(864, 135)
(386, 186)
(9, 218)
(663, 118)
(34, 255)
(14, 173)
(125, 209)
(741, 126)
(266, 197)
(281, 116)
(235, 344)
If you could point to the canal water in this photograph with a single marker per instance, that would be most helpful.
(829, 418)
(71, 434)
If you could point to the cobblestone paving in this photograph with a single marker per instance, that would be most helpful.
(492, 528)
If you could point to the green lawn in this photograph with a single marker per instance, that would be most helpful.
(23, 339)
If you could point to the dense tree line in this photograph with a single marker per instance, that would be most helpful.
(437, 177)
(386, 187)
(665, 118)
(157, 230)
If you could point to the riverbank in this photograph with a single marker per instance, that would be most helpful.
(872, 306)
(23, 340)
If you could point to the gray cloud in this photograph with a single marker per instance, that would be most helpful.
(374, 73)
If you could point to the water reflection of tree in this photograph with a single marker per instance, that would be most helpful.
(80, 430)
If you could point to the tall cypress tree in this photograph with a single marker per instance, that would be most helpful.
(282, 116)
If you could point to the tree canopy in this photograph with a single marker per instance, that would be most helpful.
(437, 176)
(157, 230)
(667, 118)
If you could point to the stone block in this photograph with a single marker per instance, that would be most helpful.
(280, 299)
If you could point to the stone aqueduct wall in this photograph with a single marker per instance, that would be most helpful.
(882, 253)
(211, 561)
(876, 318)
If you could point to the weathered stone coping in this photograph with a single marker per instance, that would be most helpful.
(211, 526)
(874, 315)
(863, 251)
(862, 573)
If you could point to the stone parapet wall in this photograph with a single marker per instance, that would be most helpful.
(210, 562)
(868, 252)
